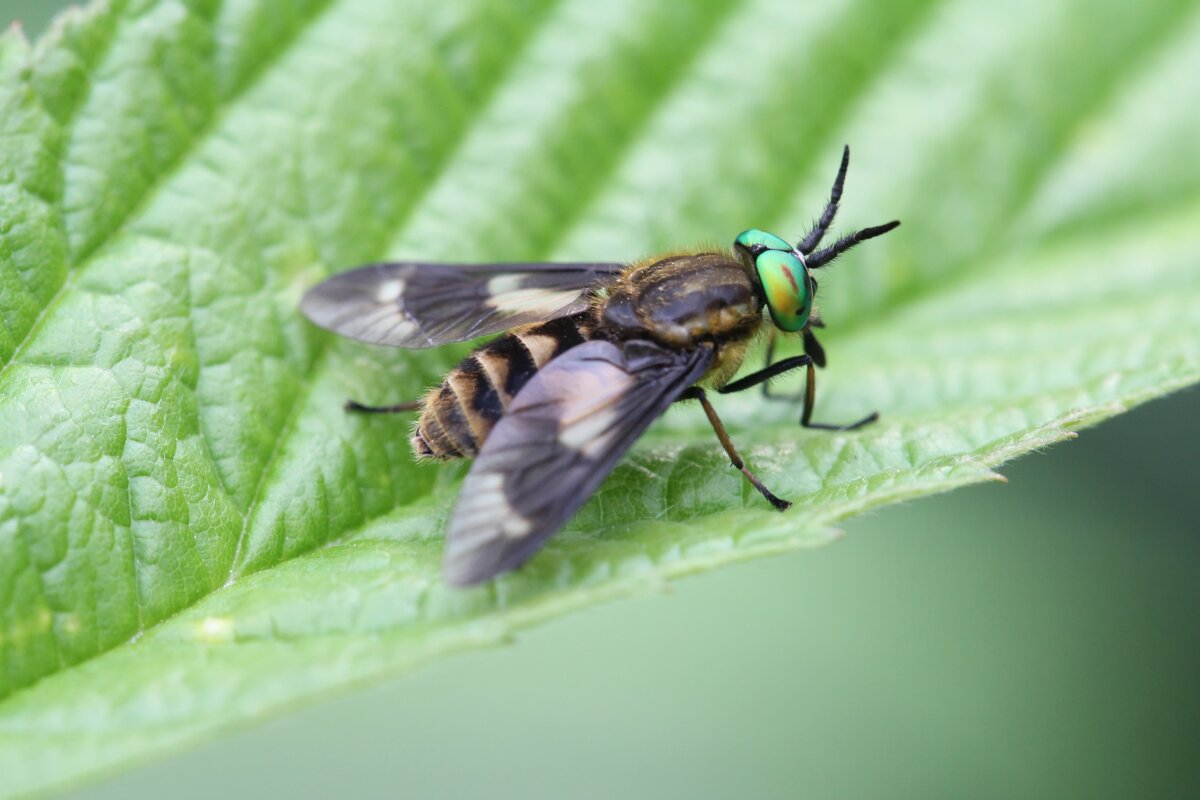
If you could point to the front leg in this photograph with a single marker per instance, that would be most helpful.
(814, 356)
(810, 397)
(812, 349)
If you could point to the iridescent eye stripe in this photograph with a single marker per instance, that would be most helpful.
(753, 236)
(787, 273)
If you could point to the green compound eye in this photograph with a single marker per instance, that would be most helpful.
(786, 284)
(754, 236)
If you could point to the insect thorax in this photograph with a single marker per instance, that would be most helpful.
(685, 301)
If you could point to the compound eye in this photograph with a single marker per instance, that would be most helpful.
(787, 285)
(756, 241)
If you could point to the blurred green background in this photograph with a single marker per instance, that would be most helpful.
(1035, 639)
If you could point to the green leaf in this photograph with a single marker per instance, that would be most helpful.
(192, 533)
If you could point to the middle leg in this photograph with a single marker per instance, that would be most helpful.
(696, 393)
(810, 387)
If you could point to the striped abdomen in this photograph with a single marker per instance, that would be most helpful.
(459, 414)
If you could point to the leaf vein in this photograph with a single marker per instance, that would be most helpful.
(89, 254)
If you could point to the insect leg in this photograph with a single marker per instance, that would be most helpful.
(813, 349)
(813, 237)
(765, 374)
(696, 393)
(810, 396)
(766, 387)
(399, 408)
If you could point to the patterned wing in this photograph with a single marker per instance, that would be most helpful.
(425, 305)
(565, 431)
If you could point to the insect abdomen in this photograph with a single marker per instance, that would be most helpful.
(458, 415)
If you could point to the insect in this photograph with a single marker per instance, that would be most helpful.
(588, 357)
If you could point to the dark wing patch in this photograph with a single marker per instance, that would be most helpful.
(563, 434)
(425, 305)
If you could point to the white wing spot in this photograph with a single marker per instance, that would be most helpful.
(591, 433)
(390, 291)
(491, 506)
(503, 284)
(506, 294)
(516, 526)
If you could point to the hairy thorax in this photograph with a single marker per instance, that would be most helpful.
(685, 301)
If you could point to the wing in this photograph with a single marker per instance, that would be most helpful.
(565, 431)
(424, 305)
